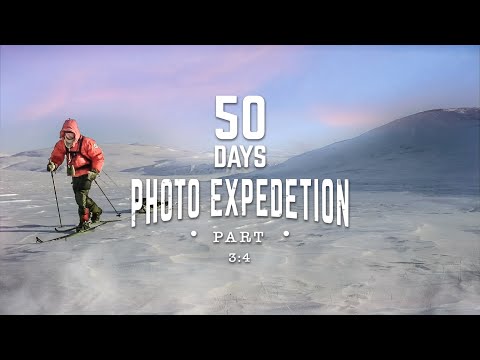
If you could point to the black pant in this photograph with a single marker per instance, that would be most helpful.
(81, 187)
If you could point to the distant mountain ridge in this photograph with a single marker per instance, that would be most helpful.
(149, 160)
(435, 151)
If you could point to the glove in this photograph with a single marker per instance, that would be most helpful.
(92, 175)
(51, 166)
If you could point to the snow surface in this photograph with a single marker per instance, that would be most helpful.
(405, 252)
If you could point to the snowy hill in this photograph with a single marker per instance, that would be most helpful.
(141, 159)
(118, 157)
(435, 151)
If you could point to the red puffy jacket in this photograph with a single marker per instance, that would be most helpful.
(84, 155)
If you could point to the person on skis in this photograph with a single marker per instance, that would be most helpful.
(84, 163)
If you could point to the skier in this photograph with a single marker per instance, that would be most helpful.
(84, 162)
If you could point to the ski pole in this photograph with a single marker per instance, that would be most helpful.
(118, 214)
(103, 180)
(110, 178)
(55, 190)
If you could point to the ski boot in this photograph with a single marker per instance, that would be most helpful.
(84, 221)
(96, 216)
(84, 225)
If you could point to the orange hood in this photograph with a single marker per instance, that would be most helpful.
(72, 126)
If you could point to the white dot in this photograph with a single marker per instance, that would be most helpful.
(193, 233)
(286, 233)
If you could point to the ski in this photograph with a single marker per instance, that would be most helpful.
(92, 227)
(70, 228)
(65, 230)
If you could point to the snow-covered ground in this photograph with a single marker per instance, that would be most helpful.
(403, 253)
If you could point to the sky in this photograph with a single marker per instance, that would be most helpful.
(165, 95)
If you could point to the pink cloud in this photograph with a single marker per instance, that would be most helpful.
(60, 95)
(189, 74)
(259, 64)
(344, 117)
(52, 103)
(372, 114)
